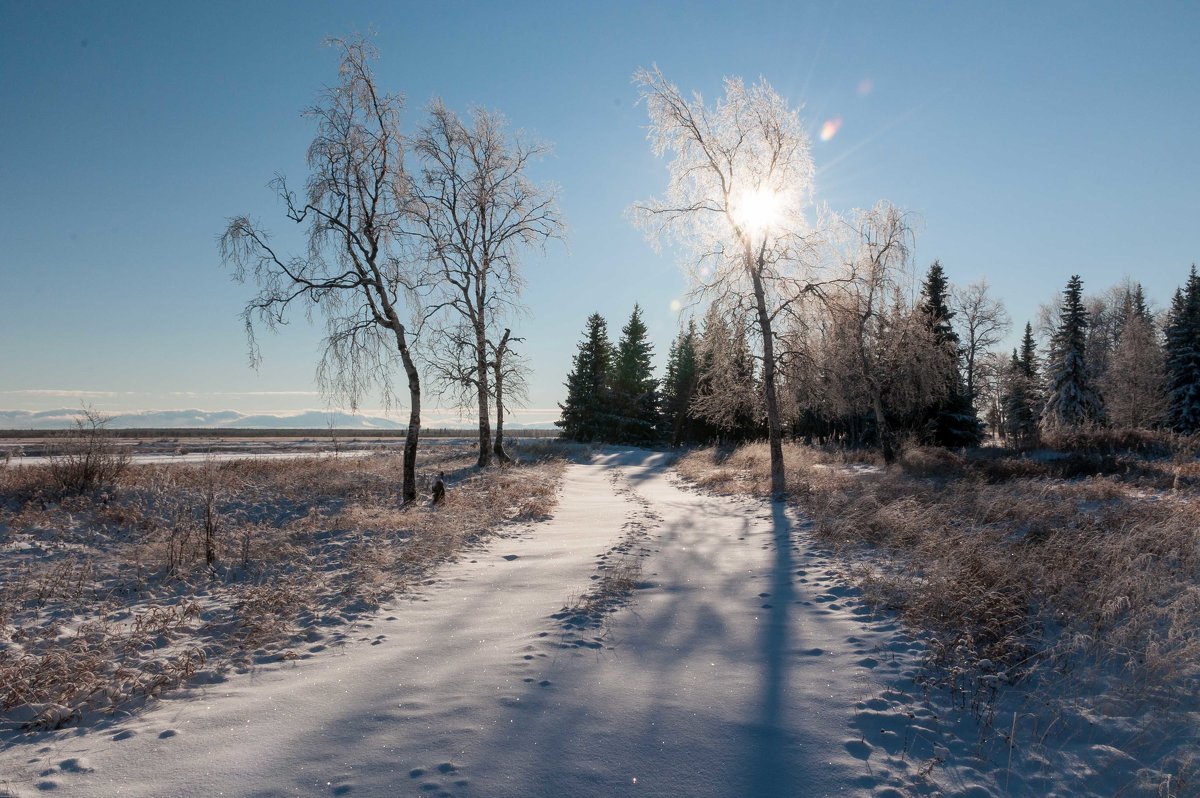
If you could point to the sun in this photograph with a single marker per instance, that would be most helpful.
(757, 210)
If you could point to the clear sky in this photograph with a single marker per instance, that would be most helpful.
(1033, 140)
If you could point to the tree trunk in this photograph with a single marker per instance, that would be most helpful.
(409, 490)
(498, 375)
(774, 427)
(482, 368)
(886, 444)
(971, 375)
(501, 455)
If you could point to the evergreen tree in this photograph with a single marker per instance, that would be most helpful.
(953, 420)
(1183, 357)
(679, 386)
(1021, 397)
(1029, 359)
(1071, 400)
(585, 414)
(634, 389)
(935, 306)
(1139, 303)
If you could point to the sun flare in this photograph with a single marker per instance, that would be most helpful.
(758, 210)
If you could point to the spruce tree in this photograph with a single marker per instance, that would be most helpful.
(634, 389)
(585, 413)
(1183, 357)
(1022, 399)
(1139, 303)
(953, 421)
(1029, 358)
(935, 307)
(1071, 400)
(679, 386)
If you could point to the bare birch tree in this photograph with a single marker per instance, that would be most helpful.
(876, 244)
(354, 271)
(984, 321)
(474, 210)
(740, 181)
(992, 371)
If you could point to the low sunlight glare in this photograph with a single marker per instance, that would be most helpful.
(759, 209)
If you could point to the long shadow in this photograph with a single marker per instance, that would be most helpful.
(771, 774)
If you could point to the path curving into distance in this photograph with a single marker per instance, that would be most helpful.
(743, 667)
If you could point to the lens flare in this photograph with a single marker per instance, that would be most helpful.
(676, 305)
(831, 128)
(865, 87)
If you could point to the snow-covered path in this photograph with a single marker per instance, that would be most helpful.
(736, 672)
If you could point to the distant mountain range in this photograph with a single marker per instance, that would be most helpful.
(232, 419)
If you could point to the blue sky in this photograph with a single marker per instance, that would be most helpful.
(1032, 140)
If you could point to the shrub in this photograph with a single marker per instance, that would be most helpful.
(89, 458)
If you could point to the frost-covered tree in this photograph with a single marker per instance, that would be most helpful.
(991, 386)
(634, 389)
(1183, 357)
(983, 321)
(354, 270)
(585, 413)
(740, 181)
(892, 353)
(1071, 399)
(474, 211)
(1134, 386)
(727, 397)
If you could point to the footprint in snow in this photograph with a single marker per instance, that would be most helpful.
(858, 749)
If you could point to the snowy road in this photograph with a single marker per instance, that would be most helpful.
(735, 673)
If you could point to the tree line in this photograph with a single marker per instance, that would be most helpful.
(1110, 361)
(869, 368)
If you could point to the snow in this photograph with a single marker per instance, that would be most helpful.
(744, 666)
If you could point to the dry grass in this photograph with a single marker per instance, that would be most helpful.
(616, 584)
(1007, 562)
(1075, 574)
(746, 469)
(107, 599)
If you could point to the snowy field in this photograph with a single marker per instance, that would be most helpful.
(744, 667)
(744, 663)
(39, 451)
